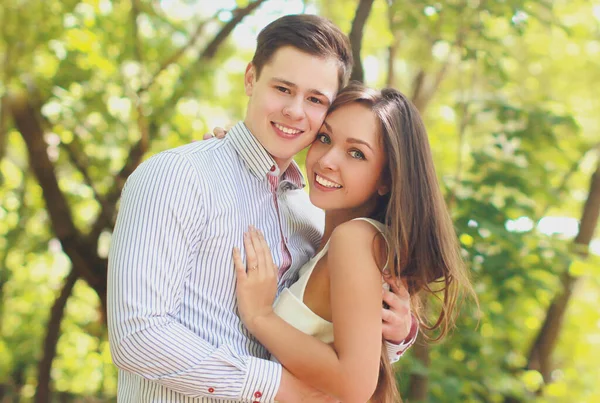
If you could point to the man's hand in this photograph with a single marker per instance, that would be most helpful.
(217, 132)
(292, 390)
(397, 318)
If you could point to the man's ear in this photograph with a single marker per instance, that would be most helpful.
(249, 79)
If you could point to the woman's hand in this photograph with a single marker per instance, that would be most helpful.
(256, 280)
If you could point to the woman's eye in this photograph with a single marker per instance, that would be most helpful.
(323, 138)
(357, 154)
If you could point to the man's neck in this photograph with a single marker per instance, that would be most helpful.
(282, 164)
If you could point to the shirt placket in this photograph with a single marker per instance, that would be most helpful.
(286, 261)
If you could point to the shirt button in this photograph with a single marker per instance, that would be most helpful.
(273, 168)
(257, 395)
(211, 390)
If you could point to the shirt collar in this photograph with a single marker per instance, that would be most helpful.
(258, 160)
(294, 175)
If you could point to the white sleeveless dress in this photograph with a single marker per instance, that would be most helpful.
(290, 307)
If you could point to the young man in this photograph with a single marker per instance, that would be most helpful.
(173, 326)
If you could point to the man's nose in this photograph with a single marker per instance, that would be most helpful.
(294, 109)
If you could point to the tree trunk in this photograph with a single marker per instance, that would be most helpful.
(356, 34)
(418, 388)
(3, 125)
(392, 49)
(392, 52)
(81, 252)
(42, 394)
(540, 354)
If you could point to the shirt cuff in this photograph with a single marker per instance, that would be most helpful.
(395, 351)
(262, 381)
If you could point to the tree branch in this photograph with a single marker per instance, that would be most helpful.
(12, 238)
(42, 393)
(137, 45)
(82, 255)
(206, 55)
(356, 35)
(238, 15)
(392, 49)
(150, 131)
(540, 354)
(75, 156)
(3, 126)
(174, 58)
(565, 180)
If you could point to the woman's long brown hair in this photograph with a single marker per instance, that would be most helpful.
(421, 235)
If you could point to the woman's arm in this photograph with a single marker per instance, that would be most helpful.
(349, 372)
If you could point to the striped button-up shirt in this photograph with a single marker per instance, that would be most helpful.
(173, 324)
(174, 329)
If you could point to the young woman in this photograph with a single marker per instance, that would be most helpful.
(371, 170)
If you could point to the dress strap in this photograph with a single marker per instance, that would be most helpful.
(304, 277)
(382, 229)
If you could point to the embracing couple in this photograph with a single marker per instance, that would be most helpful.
(228, 282)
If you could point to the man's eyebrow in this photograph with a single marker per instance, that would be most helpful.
(291, 84)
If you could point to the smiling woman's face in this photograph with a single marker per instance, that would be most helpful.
(346, 162)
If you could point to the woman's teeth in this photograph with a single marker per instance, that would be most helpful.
(326, 183)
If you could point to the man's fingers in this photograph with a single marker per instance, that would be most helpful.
(219, 132)
(391, 299)
(399, 288)
(399, 305)
(387, 316)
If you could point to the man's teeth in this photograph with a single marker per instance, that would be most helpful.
(287, 130)
(326, 183)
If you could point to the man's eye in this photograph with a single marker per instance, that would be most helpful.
(315, 100)
(283, 89)
(357, 154)
(323, 138)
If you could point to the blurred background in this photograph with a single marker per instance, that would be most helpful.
(509, 92)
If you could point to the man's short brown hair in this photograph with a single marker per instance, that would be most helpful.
(311, 34)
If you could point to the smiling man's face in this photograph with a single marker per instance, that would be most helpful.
(289, 101)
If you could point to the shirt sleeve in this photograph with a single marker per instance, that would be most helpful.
(156, 235)
(395, 351)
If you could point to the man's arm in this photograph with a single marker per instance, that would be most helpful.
(156, 235)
